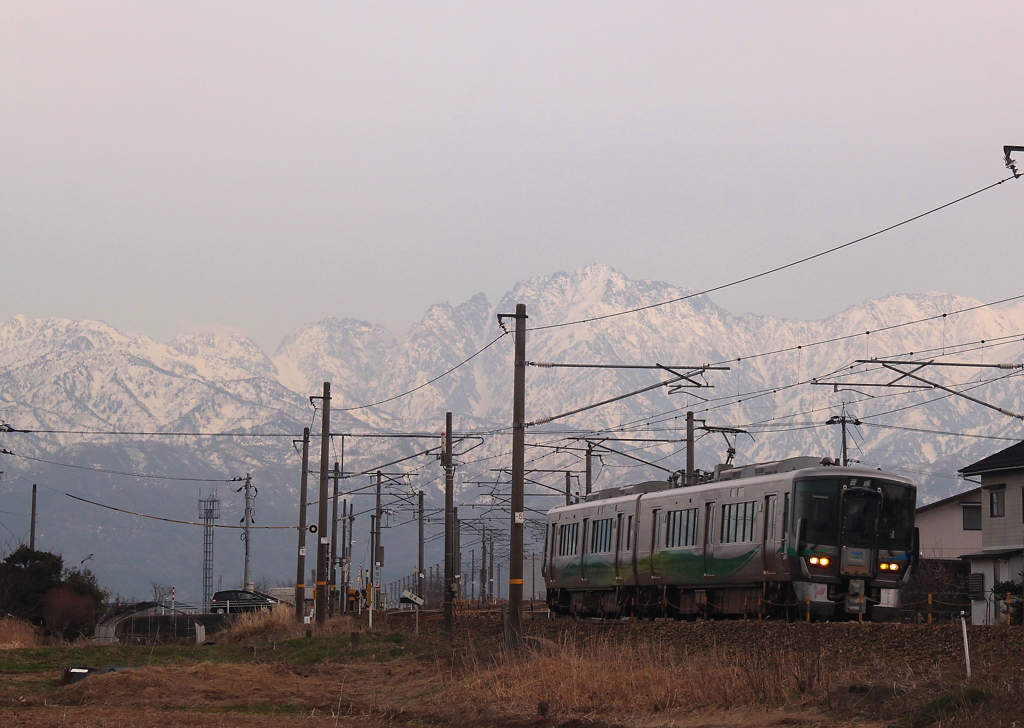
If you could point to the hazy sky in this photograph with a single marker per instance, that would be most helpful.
(166, 166)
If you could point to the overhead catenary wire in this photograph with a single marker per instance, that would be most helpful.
(91, 469)
(776, 269)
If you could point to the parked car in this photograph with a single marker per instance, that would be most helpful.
(240, 600)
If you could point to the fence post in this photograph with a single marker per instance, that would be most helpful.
(807, 599)
(1007, 609)
(929, 609)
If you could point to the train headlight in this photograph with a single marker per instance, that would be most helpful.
(818, 561)
(814, 560)
(894, 567)
(883, 567)
(823, 561)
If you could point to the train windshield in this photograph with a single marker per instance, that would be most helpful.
(860, 508)
(896, 525)
(817, 503)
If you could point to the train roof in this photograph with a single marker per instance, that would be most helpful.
(630, 492)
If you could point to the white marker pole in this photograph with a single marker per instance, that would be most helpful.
(967, 651)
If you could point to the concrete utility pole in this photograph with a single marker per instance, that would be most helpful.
(518, 520)
(342, 590)
(369, 579)
(300, 566)
(378, 552)
(483, 568)
(449, 527)
(568, 488)
(689, 449)
(334, 540)
(32, 525)
(321, 552)
(246, 528)
(590, 472)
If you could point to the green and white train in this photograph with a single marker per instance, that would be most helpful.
(794, 538)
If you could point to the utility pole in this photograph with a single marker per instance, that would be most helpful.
(483, 568)
(420, 577)
(449, 526)
(842, 422)
(378, 552)
(334, 539)
(342, 591)
(32, 526)
(300, 567)
(490, 572)
(369, 579)
(246, 528)
(321, 552)
(689, 450)
(590, 455)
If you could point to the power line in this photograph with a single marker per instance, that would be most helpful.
(772, 270)
(173, 520)
(119, 472)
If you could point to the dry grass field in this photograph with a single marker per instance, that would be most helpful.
(266, 672)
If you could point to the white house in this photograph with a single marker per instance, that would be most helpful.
(1001, 557)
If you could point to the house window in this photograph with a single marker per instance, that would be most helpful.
(997, 503)
(972, 516)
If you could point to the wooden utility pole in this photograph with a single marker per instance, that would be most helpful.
(32, 525)
(247, 528)
(518, 520)
(321, 552)
(300, 567)
(449, 527)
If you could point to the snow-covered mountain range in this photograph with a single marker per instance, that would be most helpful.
(81, 377)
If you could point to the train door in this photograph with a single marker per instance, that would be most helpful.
(620, 520)
(583, 550)
(709, 532)
(769, 534)
(656, 543)
(550, 561)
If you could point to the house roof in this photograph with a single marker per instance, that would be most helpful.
(1012, 458)
(974, 494)
(994, 554)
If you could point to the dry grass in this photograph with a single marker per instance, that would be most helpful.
(604, 677)
(279, 623)
(15, 633)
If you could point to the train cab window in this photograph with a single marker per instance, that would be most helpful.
(601, 536)
(738, 522)
(817, 504)
(681, 528)
(568, 539)
(896, 520)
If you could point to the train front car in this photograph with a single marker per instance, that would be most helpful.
(854, 542)
(795, 538)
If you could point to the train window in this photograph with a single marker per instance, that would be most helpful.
(627, 538)
(738, 522)
(601, 536)
(681, 528)
(568, 538)
(655, 529)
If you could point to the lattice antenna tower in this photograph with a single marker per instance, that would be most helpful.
(209, 511)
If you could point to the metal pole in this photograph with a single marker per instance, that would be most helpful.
(321, 552)
(568, 485)
(32, 526)
(369, 579)
(689, 449)
(842, 423)
(343, 586)
(334, 541)
(449, 526)
(590, 454)
(300, 566)
(483, 568)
